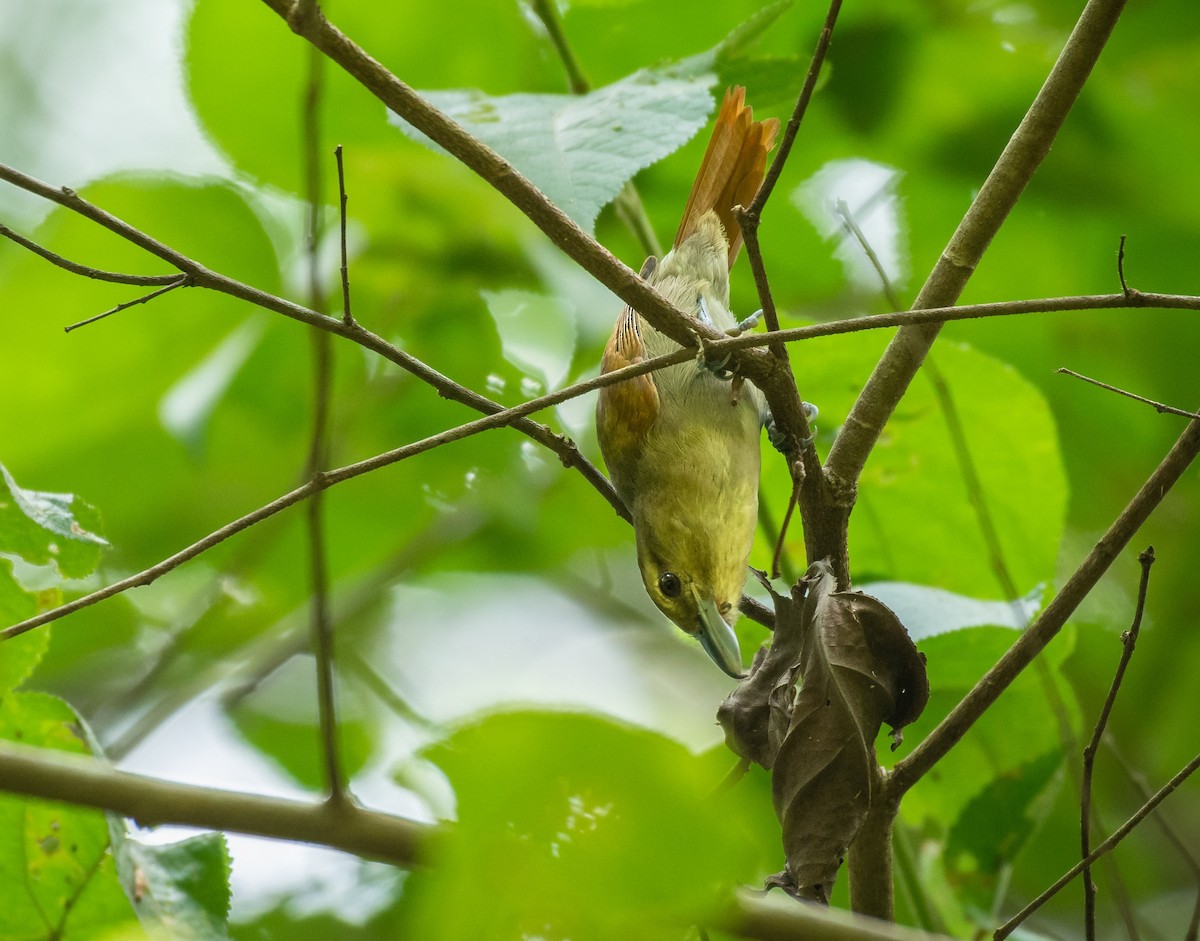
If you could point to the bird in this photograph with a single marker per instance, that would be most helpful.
(682, 444)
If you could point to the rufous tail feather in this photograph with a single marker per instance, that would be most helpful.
(732, 170)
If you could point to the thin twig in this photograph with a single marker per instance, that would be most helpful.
(514, 417)
(678, 325)
(1138, 780)
(952, 728)
(854, 230)
(1157, 406)
(201, 276)
(750, 217)
(997, 196)
(86, 271)
(178, 281)
(754, 210)
(547, 12)
(321, 621)
(628, 204)
(1121, 266)
(1128, 642)
(1121, 832)
(347, 317)
(777, 556)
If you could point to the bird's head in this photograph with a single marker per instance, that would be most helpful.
(695, 576)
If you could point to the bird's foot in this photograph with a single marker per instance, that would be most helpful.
(781, 441)
(749, 323)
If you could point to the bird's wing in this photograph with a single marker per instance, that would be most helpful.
(627, 409)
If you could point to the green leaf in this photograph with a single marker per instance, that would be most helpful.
(54, 861)
(995, 824)
(537, 333)
(44, 527)
(22, 653)
(918, 518)
(179, 890)
(188, 405)
(927, 612)
(233, 46)
(620, 828)
(580, 150)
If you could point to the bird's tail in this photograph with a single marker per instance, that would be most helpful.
(732, 169)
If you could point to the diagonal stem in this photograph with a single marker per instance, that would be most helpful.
(1013, 170)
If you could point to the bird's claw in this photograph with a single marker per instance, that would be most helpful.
(780, 441)
(716, 367)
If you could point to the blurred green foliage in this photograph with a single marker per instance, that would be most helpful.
(177, 417)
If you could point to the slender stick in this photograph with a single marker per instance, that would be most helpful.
(1019, 161)
(1157, 406)
(515, 415)
(952, 728)
(97, 274)
(201, 276)
(1118, 835)
(321, 621)
(178, 281)
(347, 317)
(793, 126)
(1128, 642)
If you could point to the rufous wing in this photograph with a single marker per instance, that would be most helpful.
(732, 170)
(626, 409)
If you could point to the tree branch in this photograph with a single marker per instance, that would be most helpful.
(774, 918)
(991, 206)
(320, 620)
(96, 274)
(512, 416)
(50, 775)
(1157, 406)
(201, 276)
(1118, 835)
(939, 741)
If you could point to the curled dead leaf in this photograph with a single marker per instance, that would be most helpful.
(857, 669)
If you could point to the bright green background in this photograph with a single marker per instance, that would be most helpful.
(483, 575)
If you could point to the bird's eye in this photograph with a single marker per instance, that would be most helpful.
(669, 584)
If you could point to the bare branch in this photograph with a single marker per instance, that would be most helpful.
(1121, 266)
(494, 169)
(1043, 630)
(1128, 642)
(547, 12)
(96, 274)
(321, 620)
(774, 918)
(754, 210)
(1157, 406)
(1118, 835)
(52, 775)
(991, 206)
(178, 281)
(347, 317)
(201, 276)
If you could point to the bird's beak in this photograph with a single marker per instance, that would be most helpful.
(718, 639)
